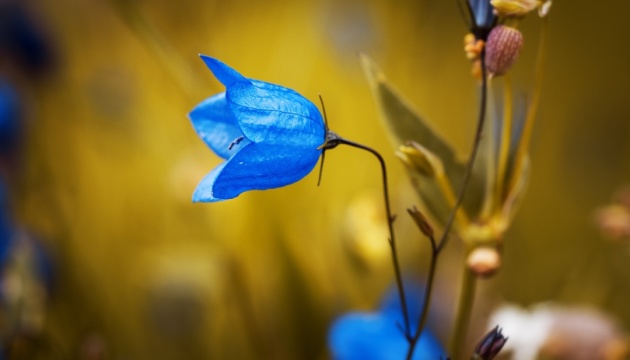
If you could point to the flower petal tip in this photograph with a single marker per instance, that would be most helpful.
(202, 195)
(225, 74)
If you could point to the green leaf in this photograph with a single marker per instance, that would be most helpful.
(404, 124)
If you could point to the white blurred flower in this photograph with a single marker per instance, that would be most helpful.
(526, 331)
(560, 332)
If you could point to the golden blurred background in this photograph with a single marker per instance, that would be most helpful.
(109, 163)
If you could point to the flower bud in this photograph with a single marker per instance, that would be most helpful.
(502, 49)
(490, 345)
(484, 261)
(420, 159)
(422, 222)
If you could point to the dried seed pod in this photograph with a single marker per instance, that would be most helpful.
(502, 49)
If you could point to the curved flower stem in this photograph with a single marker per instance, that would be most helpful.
(334, 140)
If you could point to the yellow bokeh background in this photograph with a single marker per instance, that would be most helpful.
(111, 162)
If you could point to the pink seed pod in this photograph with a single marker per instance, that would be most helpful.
(502, 49)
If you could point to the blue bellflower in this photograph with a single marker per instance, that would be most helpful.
(269, 135)
(379, 335)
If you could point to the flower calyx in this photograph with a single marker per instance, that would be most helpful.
(490, 346)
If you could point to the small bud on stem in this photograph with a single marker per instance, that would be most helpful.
(490, 345)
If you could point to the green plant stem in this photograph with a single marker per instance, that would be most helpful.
(464, 310)
(332, 142)
(467, 291)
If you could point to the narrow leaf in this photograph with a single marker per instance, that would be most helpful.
(404, 124)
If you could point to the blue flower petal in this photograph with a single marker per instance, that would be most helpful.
(214, 123)
(225, 74)
(483, 12)
(275, 115)
(274, 133)
(414, 293)
(365, 336)
(203, 192)
(263, 166)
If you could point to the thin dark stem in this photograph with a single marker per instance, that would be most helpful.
(436, 248)
(390, 223)
(473, 155)
(427, 299)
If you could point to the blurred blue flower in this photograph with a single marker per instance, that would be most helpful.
(269, 135)
(9, 117)
(379, 336)
(23, 39)
(6, 227)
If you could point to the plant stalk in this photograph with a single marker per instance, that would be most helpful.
(464, 311)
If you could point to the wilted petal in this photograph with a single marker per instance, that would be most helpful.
(263, 166)
(275, 115)
(214, 123)
(225, 74)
